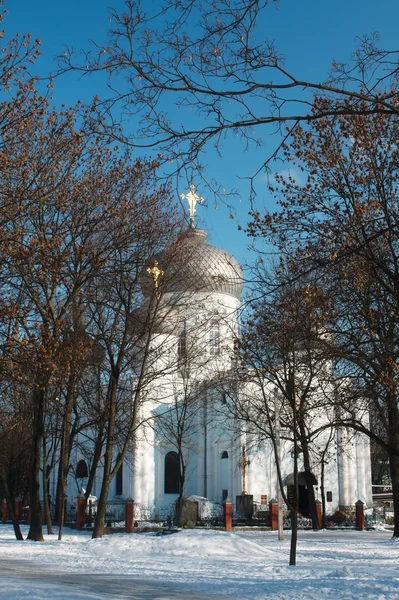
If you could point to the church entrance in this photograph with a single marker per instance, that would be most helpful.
(303, 499)
(303, 504)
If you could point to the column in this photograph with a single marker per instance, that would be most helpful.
(342, 465)
(360, 467)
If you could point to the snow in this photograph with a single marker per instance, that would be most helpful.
(339, 565)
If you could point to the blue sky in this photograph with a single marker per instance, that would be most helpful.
(309, 33)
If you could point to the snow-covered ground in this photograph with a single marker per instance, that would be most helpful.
(341, 565)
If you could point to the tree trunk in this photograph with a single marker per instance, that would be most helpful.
(182, 472)
(109, 452)
(10, 503)
(294, 536)
(294, 508)
(394, 467)
(35, 531)
(393, 452)
(309, 479)
(394, 464)
(65, 451)
(46, 499)
(323, 493)
(98, 448)
(99, 524)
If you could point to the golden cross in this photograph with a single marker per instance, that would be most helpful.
(243, 464)
(156, 273)
(192, 200)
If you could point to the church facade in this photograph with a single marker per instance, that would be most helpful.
(189, 440)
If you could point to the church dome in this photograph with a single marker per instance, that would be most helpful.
(194, 265)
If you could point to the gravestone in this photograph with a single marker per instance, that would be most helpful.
(245, 505)
(187, 513)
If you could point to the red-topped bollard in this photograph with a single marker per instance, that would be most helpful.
(319, 513)
(228, 515)
(273, 507)
(359, 515)
(4, 511)
(81, 511)
(129, 515)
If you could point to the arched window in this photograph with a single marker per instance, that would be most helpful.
(225, 454)
(214, 339)
(172, 473)
(81, 470)
(119, 480)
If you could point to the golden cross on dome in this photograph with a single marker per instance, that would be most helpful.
(156, 273)
(192, 199)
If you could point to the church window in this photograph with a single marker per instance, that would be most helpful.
(119, 480)
(81, 470)
(172, 473)
(182, 349)
(329, 496)
(214, 339)
(224, 474)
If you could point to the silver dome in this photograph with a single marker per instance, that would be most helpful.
(193, 265)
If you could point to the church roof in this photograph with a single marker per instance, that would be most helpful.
(194, 265)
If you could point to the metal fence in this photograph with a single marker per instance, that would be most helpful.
(115, 513)
(164, 514)
(209, 515)
(379, 515)
(213, 517)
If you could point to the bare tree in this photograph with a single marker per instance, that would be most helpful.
(124, 326)
(340, 225)
(289, 378)
(15, 442)
(217, 62)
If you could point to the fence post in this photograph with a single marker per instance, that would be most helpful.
(18, 508)
(359, 515)
(5, 511)
(273, 507)
(81, 511)
(129, 515)
(228, 515)
(319, 513)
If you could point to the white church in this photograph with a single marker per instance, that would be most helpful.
(189, 442)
